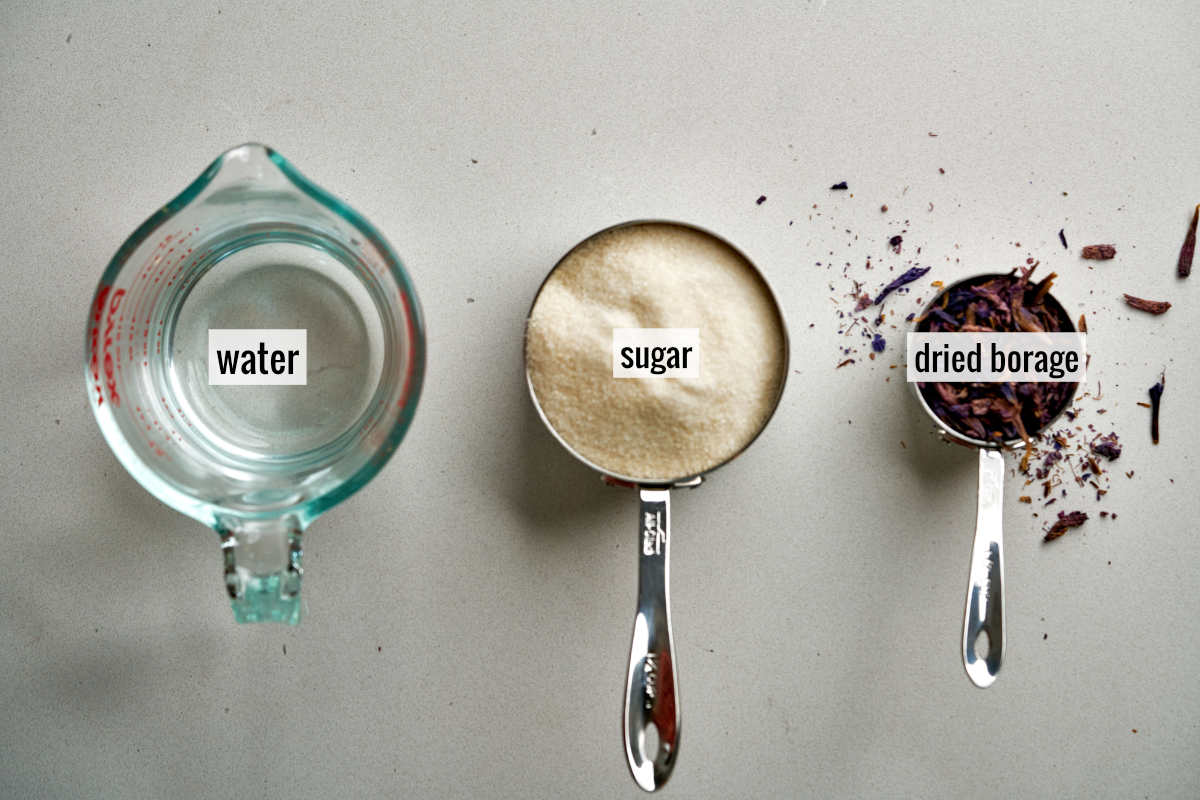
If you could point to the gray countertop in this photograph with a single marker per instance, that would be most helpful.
(468, 612)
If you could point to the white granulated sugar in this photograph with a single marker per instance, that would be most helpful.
(655, 275)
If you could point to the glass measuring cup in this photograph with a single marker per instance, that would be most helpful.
(252, 244)
(983, 638)
(651, 712)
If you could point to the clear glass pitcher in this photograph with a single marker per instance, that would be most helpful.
(252, 245)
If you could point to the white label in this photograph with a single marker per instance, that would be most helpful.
(656, 352)
(250, 357)
(997, 357)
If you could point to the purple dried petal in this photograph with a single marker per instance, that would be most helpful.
(944, 317)
(908, 276)
(1107, 446)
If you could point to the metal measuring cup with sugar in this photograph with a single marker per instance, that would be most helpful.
(983, 637)
(651, 706)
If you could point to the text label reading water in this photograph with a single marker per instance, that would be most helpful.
(656, 352)
(257, 357)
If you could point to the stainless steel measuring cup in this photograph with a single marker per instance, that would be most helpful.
(651, 707)
(983, 616)
(252, 245)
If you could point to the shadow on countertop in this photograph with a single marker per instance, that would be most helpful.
(551, 491)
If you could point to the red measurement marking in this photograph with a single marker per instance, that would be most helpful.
(102, 352)
(97, 314)
(102, 358)
(409, 368)
(155, 448)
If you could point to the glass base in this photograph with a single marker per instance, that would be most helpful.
(264, 599)
(263, 569)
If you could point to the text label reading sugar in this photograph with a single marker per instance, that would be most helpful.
(977, 357)
(656, 352)
(257, 357)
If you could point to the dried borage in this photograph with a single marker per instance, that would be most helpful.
(1012, 303)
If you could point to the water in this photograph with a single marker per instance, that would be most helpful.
(292, 285)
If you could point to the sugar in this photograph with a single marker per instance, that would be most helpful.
(655, 275)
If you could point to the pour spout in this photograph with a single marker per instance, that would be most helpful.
(247, 167)
(262, 568)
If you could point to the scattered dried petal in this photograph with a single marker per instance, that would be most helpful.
(1107, 446)
(1064, 523)
(908, 276)
(1156, 392)
(1188, 251)
(1150, 306)
(1099, 252)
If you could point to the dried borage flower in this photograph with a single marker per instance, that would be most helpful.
(1064, 523)
(1099, 252)
(1149, 306)
(1188, 252)
(1156, 393)
(1108, 446)
(997, 412)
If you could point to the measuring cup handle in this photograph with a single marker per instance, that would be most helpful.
(985, 589)
(651, 692)
(262, 569)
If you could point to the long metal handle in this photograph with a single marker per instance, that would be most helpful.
(985, 592)
(651, 693)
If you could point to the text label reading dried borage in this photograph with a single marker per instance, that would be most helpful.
(974, 356)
